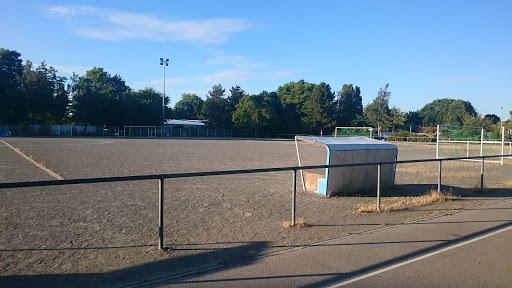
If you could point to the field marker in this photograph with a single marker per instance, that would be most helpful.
(417, 258)
(53, 174)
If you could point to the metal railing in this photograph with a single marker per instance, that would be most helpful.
(162, 177)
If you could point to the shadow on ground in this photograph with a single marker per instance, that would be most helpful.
(143, 273)
(401, 190)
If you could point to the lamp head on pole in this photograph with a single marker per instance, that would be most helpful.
(162, 62)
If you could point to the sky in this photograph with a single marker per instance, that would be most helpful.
(425, 50)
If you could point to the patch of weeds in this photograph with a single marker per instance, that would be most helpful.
(298, 223)
(402, 203)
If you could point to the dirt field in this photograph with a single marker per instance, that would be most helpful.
(106, 234)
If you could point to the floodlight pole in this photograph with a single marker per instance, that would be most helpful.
(501, 119)
(164, 63)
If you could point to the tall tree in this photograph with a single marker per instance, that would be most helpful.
(292, 97)
(377, 113)
(477, 121)
(396, 118)
(215, 109)
(349, 105)
(189, 107)
(12, 108)
(318, 109)
(46, 98)
(445, 112)
(493, 117)
(237, 93)
(412, 120)
(97, 97)
(256, 113)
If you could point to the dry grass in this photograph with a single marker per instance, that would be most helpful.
(298, 223)
(401, 203)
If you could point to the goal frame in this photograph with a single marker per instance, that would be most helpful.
(150, 131)
(370, 129)
(482, 142)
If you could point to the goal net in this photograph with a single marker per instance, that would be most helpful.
(139, 131)
(354, 131)
(463, 141)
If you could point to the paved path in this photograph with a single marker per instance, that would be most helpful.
(465, 249)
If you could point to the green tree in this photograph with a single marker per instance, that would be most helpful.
(477, 121)
(396, 118)
(318, 109)
(349, 105)
(377, 113)
(445, 112)
(215, 109)
(46, 98)
(237, 94)
(256, 113)
(147, 104)
(292, 97)
(493, 117)
(12, 102)
(96, 98)
(189, 107)
(412, 120)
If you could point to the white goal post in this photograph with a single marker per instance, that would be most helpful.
(354, 131)
(465, 141)
(139, 131)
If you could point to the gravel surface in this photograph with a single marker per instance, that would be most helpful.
(106, 234)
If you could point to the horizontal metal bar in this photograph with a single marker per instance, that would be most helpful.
(221, 172)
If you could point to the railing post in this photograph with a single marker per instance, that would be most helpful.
(482, 175)
(294, 195)
(161, 214)
(439, 180)
(378, 187)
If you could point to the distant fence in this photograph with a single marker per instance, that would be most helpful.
(162, 177)
(170, 131)
(59, 130)
(410, 138)
(83, 130)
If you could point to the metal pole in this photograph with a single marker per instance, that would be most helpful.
(163, 106)
(502, 143)
(378, 187)
(482, 143)
(294, 196)
(161, 214)
(482, 175)
(437, 142)
(164, 63)
(301, 173)
(439, 180)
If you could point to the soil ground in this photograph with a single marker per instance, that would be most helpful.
(106, 234)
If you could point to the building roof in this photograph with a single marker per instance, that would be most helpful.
(184, 122)
(349, 143)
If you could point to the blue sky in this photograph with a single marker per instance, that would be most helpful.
(425, 50)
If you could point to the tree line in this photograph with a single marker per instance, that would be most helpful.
(37, 95)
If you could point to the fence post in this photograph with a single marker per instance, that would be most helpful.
(439, 180)
(294, 195)
(161, 214)
(378, 187)
(482, 175)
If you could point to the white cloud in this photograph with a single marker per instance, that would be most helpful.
(278, 74)
(227, 76)
(239, 62)
(114, 25)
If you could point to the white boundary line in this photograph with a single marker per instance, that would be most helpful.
(418, 258)
(53, 174)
